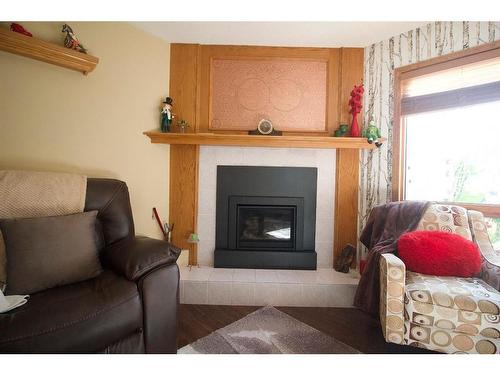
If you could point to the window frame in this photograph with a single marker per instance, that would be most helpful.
(434, 65)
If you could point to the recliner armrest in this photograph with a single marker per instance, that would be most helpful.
(134, 257)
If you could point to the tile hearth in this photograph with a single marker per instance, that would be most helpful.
(258, 287)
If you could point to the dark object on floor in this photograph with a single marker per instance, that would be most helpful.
(344, 261)
(268, 331)
(17, 28)
(385, 225)
(71, 41)
(129, 308)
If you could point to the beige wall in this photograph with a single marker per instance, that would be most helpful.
(57, 119)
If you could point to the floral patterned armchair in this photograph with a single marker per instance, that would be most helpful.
(446, 314)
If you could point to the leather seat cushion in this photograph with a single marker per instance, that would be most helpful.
(84, 317)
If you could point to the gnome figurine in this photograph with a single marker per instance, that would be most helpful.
(166, 115)
(372, 133)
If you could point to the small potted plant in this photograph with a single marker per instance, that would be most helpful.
(183, 125)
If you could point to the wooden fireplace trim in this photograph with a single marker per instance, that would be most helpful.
(188, 62)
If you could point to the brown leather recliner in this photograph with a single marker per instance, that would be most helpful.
(130, 308)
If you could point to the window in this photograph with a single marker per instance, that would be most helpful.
(453, 155)
(446, 147)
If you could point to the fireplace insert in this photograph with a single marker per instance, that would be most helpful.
(266, 227)
(265, 217)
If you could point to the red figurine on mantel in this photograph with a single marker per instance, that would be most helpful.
(19, 29)
(355, 104)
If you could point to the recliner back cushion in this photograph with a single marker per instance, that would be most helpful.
(446, 218)
(111, 198)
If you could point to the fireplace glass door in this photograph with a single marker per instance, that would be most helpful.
(266, 227)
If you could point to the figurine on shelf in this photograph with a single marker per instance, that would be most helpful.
(372, 133)
(166, 115)
(183, 125)
(356, 104)
(17, 28)
(71, 41)
(342, 131)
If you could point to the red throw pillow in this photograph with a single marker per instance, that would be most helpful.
(439, 253)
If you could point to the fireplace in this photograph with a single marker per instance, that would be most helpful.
(265, 227)
(265, 217)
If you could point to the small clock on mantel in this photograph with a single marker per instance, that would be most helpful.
(265, 127)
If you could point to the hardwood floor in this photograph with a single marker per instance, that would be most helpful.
(348, 325)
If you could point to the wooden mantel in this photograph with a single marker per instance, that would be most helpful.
(286, 141)
(190, 88)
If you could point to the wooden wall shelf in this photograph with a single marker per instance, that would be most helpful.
(257, 140)
(47, 52)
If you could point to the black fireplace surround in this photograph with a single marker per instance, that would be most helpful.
(266, 217)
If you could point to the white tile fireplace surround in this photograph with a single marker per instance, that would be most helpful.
(224, 286)
(248, 287)
(322, 159)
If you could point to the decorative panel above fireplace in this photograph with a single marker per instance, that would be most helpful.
(265, 217)
(291, 93)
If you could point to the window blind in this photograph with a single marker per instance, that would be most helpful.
(470, 84)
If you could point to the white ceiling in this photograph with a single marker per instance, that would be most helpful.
(297, 34)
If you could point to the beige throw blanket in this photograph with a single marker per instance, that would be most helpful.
(37, 194)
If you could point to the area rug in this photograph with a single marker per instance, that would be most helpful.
(267, 331)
